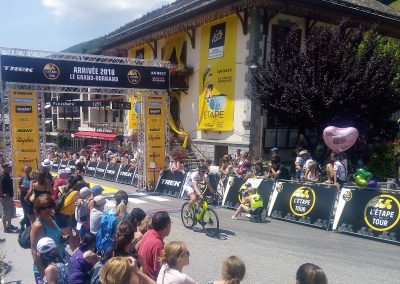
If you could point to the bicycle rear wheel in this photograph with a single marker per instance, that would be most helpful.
(210, 222)
(187, 216)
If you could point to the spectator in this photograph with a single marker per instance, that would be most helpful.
(301, 165)
(124, 236)
(274, 152)
(259, 170)
(80, 166)
(82, 213)
(34, 177)
(39, 186)
(96, 213)
(233, 271)
(251, 201)
(152, 243)
(225, 169)
(44, 226)
(23, 188)
(55, 270)
(83, 259)
(339, 169)
(144, 226)
(60, 180)
(173, 258)
(312, 175)
(277, 170)
(121, 202)
(237, 157)
(46, 164)
(96, 191)
(64, 216)
(329, 169)
(121, 270)
(136, 217)
(309, 273)
(7, 198)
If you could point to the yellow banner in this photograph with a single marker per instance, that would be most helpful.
(173, 49)
(134, 113)
(155, 111)
(179, 132)
(217, 75)
(25, 130)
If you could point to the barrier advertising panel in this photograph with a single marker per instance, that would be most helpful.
(309, 204)
(125, 175)
(171, 183)
(230, 199)
(91, 169)
(55, 165)
(100, 170)
(372, 213)
(111, 172)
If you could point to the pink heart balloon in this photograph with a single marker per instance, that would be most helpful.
(340, 139)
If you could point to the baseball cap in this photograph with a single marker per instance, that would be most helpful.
(99, 200)
(275, 149)
(84, 192)
(67, 170)
(97, 189)
(45, 244)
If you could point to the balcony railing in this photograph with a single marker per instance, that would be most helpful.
(75, 114)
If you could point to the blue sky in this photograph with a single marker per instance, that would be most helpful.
(58, 24)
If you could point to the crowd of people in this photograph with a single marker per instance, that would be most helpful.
(74, 239)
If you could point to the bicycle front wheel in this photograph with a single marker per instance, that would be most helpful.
(210, 222)
(187, 216)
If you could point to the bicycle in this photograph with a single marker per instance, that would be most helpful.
(216, 197)
(200, 213)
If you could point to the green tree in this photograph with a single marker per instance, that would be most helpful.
(342, 76)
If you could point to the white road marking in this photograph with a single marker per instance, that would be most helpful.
(136, 200)
(157, 198)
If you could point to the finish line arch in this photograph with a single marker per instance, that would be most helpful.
(26, 75)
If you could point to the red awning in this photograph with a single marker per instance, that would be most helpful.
(95, 135)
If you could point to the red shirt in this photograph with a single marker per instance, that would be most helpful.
(150, 250)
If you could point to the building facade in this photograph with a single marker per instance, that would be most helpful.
(212, 46)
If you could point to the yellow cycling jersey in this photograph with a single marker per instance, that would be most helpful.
(256, 201)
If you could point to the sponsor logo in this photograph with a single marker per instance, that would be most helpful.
(24, 120)
(91, 168)
(154, 129)
(51, 71)
(154, 111)
(302, 201)
(279, 187)
(25, 130)
(155, 103)
(22, 100)
(125, 174)
(154, 138)
(134, 76)
(111, 172)
(23, 109)
(18, 69)
(382, 212)
(347, 195)
(24, 140)
(171, 182)
(100, 170)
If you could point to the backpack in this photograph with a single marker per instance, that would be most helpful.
(82, 211)
(105, 234)
(24, 238)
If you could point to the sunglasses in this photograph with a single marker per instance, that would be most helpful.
(42, 208)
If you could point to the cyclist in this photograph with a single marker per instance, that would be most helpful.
(249, 203)
(193, 182)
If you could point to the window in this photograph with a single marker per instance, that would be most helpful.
(121, 115)
(105, 116)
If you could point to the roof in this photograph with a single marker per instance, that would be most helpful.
(183, 10)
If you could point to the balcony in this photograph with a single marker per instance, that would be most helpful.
(107, 127)
(179, 77)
